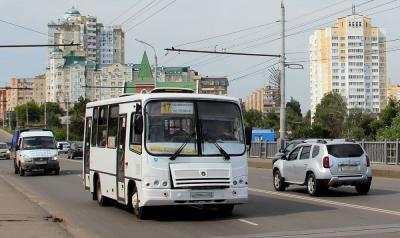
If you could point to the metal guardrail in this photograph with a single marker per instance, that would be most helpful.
(379, 152)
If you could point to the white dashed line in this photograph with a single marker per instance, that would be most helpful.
(248, 222)
(339, 204)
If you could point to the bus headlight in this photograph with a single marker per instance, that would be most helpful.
(240, 181)
(154, 182)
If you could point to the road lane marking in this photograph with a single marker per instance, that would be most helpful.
(340, 204)
(377, 230)
(248, 222)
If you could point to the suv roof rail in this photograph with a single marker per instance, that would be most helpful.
(322, 141)
(34, 129)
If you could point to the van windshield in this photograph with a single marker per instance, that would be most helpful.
(38, 142)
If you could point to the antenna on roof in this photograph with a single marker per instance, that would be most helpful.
(353, 9)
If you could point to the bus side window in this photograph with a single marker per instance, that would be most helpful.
(102, 127)
(135, 140)
(112, 127)
(94, 126)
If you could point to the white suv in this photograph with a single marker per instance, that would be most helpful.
(322, 164)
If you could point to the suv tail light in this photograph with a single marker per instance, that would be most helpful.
(368, 162)
(325, 162)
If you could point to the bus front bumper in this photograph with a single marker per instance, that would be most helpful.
(161, 197)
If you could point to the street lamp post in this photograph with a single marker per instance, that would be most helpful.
(155, 59)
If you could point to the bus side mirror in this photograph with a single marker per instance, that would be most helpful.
(248, 132)
(138, 123)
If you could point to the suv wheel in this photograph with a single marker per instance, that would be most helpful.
(313, 185)
(363, 189)
(279, 184)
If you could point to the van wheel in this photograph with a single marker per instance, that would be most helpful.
(279, 184)
(100, 198)
(16, 170)
(363, 189)
(21, 171)
(313, 185)
(140, 212)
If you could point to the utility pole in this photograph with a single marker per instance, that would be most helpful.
(282, 126)
(26, 112)
(45, 114)
(67, 120)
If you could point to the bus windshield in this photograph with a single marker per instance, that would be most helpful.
(169, 124)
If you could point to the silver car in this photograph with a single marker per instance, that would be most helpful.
(4, 151)
(323, 164)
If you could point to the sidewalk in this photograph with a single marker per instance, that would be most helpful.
(378, 170)
(19, 217)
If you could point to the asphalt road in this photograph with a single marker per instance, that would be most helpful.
(338, 213)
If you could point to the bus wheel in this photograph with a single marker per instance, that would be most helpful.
(225, 209)
(139, 211)
(100, 198)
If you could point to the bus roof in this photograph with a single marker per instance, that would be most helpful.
(150, 96)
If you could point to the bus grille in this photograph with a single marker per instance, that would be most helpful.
(199, 176)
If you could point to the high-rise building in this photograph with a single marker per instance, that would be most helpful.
(214, 85)
(111, 45)
(350, 59)
(71, 69)
(102, 44)
(393, 91)
(3, 105)
(21, 91)
(264, 100)
(39, 89)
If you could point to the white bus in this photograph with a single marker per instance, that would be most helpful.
(166, 149)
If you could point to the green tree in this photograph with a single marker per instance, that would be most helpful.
(252, 118)
(270, 120)
(77, 119)
(33, 111)
(330, 114)
(294, 118)
(392, 132)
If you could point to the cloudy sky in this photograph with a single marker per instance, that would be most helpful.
(166, 23)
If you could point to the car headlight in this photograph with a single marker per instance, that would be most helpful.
(54, 158)
(26, 159)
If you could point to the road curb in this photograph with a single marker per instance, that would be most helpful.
(390, 171)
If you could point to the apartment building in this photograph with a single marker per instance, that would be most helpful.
(350, 59)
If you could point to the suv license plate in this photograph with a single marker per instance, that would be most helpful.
(349, 168)
(41, 162)
(201, 195)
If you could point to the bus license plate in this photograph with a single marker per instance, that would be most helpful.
(201, 195)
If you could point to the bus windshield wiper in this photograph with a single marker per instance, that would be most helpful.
(223, 152)
(179, 150)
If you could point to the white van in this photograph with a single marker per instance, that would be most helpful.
(36, 150)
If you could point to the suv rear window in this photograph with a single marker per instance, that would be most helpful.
(345, 150)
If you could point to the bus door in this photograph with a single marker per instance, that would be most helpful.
(121, 135)
(86, 153)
